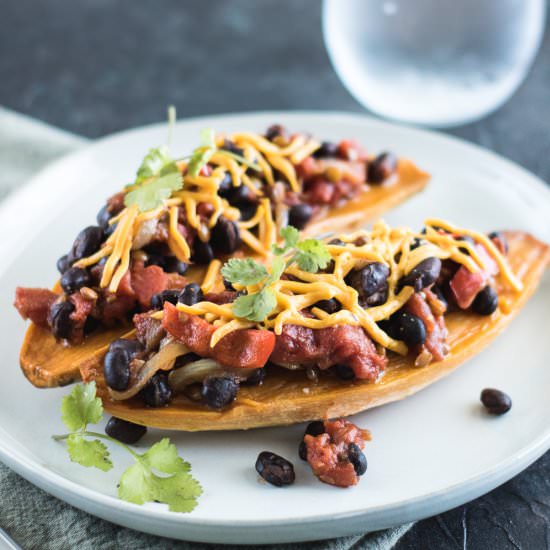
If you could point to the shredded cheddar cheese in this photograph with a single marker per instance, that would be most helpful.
(259, 232)
(299, 291)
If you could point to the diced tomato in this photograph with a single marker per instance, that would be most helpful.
(436, 330)
(125, 286)
(320, 191)
(350, 149)
(465, 285)
(147, 281)
(175, 281)
(328, 453)
(117, 310)
(326, 347)
(34, 303)
(82, 308)
(248, 348)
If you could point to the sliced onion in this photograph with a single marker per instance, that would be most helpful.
(197, 371)
(141, 374)
(145, 233)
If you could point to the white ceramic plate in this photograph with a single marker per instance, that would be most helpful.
(431, 452)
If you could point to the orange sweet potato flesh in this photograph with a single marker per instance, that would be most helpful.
(48, 363)
(281, 399)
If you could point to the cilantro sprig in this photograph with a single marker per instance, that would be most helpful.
(157, 177)
(140, 482)
(202, 154)
(309, 254)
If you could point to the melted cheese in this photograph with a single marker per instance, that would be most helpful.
(303, 290)
(259, 233)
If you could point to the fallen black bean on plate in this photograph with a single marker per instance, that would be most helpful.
(275, 469)
(495, 401)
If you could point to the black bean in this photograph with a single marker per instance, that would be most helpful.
(218, 392)
(405, 326)
(103, 217)
(357, 458)
(486, 301)
(60, 319)
(239, 195)
(191, 294)
(417, 242)
(75, 278)
(86, 243)
(256, 378)
(500, 241)
(299, 215)
(382, 167)
(131, 347)
(327, 149)
(157, 393)
(63, 264)
(228, 285)
(232, 148)
(371, 283)
(275, 130)
(465, 238)
(202, 253)
(116, 369)
(275, 469)
(495, 401)
(423, 274)
(125, 431)
(171, 295)
(224, 187)
(248, 210)
(315, 428)
(330, 306)
(172, 265)
(225, 237)
(109, 230)
(337, 242)
(343, 371)
(90, 324)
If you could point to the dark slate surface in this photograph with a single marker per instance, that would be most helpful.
(97, 66)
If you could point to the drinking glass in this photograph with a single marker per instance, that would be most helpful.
(433, 62)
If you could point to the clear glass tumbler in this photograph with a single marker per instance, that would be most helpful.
(433, 62)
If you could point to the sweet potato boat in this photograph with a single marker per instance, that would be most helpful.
(47, 362)
(288, 397)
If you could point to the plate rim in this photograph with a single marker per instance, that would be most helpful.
(56, 484)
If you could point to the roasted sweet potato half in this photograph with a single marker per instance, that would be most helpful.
(47, 362)
(282, 400)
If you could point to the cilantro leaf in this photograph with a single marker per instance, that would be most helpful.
(150, 195)
(140, 484)
(312, 255)
(290, 235)
(255, 307)
(207, 137)
(244, 272)
(81, 407)
(88, 453)
(277, 268)
(155, 160)
(164, 457)
(198, 159)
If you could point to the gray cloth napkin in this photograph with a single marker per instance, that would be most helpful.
(32, 517)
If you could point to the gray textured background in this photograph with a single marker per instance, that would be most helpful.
(97, 66)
